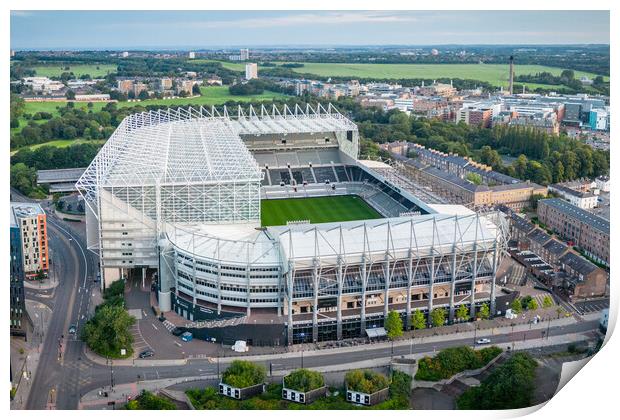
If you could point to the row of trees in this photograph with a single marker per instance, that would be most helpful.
(437, 318)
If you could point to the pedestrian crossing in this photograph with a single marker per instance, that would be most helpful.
(169, 325)
(517, 275)
(218, 323)
(540, 298)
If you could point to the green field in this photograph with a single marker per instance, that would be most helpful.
(94, 70)
(211, 95)
(317, 210)
(59, 143)
(496, 74)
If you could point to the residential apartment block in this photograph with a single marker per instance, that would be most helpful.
(582, 199)
(32, 223)
(587, 230)
(17, 298)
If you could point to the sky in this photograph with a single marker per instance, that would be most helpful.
(212, 29)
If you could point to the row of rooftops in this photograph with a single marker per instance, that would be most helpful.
(463, 162)
(566, 190)
(576, 213)
(576, 262)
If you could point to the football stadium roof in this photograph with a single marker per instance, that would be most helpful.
(196, 145)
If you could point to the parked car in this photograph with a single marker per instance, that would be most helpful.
(177, 331)
(483, 341)
(187, 336)
(72, 329)
(146, 353)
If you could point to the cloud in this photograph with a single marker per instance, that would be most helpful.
(296, 19)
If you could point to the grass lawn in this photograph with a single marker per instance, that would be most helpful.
(316, 209)
(55, 70)
(59, 143)
(496, 74)
(211, 95)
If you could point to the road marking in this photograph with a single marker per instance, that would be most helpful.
(153, 325)
(178, 344)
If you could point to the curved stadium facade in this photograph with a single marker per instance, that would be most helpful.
(176, 194)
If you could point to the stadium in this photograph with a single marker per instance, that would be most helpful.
(264, 224)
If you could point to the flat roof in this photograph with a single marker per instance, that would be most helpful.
(24, 210)
(575, 212)
(49, 176)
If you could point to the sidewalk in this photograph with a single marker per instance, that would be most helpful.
(121, 392)
(25, 365)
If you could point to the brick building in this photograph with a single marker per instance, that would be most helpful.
(586, 230)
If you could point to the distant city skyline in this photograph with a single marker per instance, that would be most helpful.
(212, 29)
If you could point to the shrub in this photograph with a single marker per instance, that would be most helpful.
(366, 381)
(451, 361)
(242, 374)
(304, 380)
(149, 401)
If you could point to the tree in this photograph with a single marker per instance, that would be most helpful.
(532, 305)
(401, 122)
(196, 89)
(438, 317)
(474, 178)
(520, 166)
(143, 95)
(418, 320)
(547, 302)
(394, 325)
(516, 306)
(490, 157)
(484, 311)
(70, 95)
(107, 332)
(462, 312)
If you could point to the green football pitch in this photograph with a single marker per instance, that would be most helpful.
(316, 209)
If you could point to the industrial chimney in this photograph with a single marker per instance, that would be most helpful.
(512, 75)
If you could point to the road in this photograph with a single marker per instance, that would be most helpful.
(101, 375)
(61, 366)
